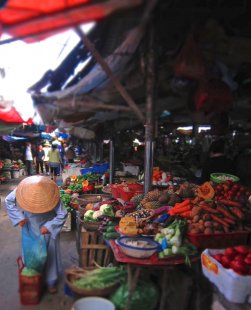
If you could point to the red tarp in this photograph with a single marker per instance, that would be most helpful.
(10, 115)
(38, 19)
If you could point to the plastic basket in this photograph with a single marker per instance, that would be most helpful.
(223, 177)
(115, 190)
(218, 241)
(30, 288)
(127, 195)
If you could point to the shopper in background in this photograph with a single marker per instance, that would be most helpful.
(28, 158)
(55, 161)
(36, 203)
(46, 149)
(39, 159)
(217, 161)
(69, 153)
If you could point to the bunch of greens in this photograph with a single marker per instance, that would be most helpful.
(28, 272)
(101, 278)
(75, 187)
(66, 201)
(172, 242)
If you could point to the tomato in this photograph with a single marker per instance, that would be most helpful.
(225, 261)
(218, 257)
(239, 267)
(240, 258)
(242, 249)
(247, 260)
(230, 252)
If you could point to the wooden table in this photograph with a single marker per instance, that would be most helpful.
(134, 268)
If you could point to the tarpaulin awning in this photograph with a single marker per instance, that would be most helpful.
(33, 20)
(13, 138)
(10, 115)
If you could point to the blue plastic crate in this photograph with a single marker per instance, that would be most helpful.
(86, 170)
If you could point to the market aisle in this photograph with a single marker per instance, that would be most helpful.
(10, 250)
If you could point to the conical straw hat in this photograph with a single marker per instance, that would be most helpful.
(37, 194)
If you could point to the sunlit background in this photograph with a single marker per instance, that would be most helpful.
(24, 64)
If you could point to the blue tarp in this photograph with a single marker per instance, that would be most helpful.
(13, 138)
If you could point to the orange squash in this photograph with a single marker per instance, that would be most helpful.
(85, 183)
(205, 191)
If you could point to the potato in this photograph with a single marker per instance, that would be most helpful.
(194, 231)
(196, 219)
(208, 224)
(201, 222)
(206, 217)
(208, 231)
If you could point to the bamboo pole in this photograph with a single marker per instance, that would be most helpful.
(124, 93)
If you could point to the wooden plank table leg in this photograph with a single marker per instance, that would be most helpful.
(163, 289)
(131, 282)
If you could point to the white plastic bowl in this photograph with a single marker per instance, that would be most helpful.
(93, 303)
(137, 252)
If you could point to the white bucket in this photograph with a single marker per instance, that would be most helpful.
(15, 174)
(93, 303)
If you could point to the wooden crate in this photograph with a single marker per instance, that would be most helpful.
(93, 249)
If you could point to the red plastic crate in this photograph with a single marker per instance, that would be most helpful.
(219, 241)
(30, 288)
(127, 195)
(115, 190)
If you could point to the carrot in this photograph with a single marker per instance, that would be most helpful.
(237, 212)
(207, 208)
(180, 210)
(182, 204)
(186, 214)
(230, 203)
(225, 212)
(230, 221)
(217, 219)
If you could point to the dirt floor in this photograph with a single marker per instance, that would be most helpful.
(10, 250)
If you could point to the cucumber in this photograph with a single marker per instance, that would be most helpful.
(110, 229)
(110, 235)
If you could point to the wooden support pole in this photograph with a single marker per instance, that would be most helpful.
(149, 127)
(124, 93)
(87, 104)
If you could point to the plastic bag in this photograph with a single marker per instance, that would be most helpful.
(190, 61)
(34, 249)
(213, 96)
(145, 297)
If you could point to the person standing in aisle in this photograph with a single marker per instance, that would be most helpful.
(36, 203)
(55, 161)
(69, 153)
(39, 158)
(28, 158)
(46, 149)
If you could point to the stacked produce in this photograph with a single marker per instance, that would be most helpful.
(99, 278)
(172, 241)
(237, 258)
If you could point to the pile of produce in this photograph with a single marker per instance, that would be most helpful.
(237, 258)
(172, 241)
(107, 229)
(28, 272)
(100, 278)
(81, 183)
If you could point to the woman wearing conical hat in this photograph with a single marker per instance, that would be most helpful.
(36, 203)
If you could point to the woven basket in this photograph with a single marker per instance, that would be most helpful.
(73, 274)
(90, 226)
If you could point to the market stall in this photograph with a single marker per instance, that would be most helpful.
(162, 229)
